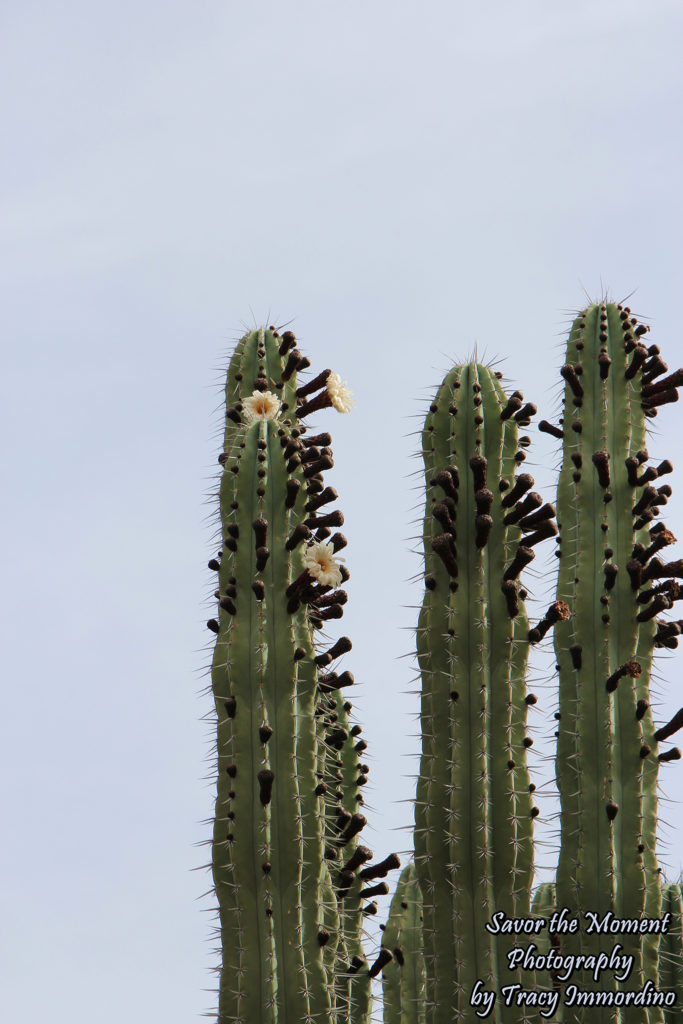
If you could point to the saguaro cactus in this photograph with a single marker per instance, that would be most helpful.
(474, 810)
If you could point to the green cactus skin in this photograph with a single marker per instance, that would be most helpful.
(543, 905)
(607, 749)
(284, 929)
(403, 973)
(267, 852)
(345, 775)
(474, 812)
(671, 949)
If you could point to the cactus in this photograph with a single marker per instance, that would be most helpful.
(345, 776)
(287, 919)
(293, 879)
(670, 946)
(611, 579)
(401, 958)
(474, 811)
(605, 631)
(543, 906)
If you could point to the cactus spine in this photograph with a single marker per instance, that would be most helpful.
(474, 812)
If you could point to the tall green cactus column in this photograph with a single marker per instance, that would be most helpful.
(277, 908)
(474, 811)
(615, 586)
(289, 870)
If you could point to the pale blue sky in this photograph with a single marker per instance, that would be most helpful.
(404, 182)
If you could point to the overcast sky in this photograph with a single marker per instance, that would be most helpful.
(402, 181)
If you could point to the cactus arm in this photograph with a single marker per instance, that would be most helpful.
(391, 971)
(585, 742)
(544, 905)
(671, 950)
(436, 728)
(236, 852)
(638, 888)
(403, 976)
(606, 765)
(299, 812)
(513, 819)
(473, 810)
(347, 775)
(342, 774)
(266, 808)
(412, 969)
(445, 639)
(360, 996)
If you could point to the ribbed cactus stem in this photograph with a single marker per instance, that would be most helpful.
(289, 865)
(278, 906)
(671, 949)
(345, 775)
(606, 756)
(544, 905)
(474, 813)
(268, 827)
(401, 958)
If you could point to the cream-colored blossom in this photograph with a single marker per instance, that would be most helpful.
(340, 393)
(261, 405)
(322, 565)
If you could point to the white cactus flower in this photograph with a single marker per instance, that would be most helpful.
(340, 393)
(322, 565)
(261, 405)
